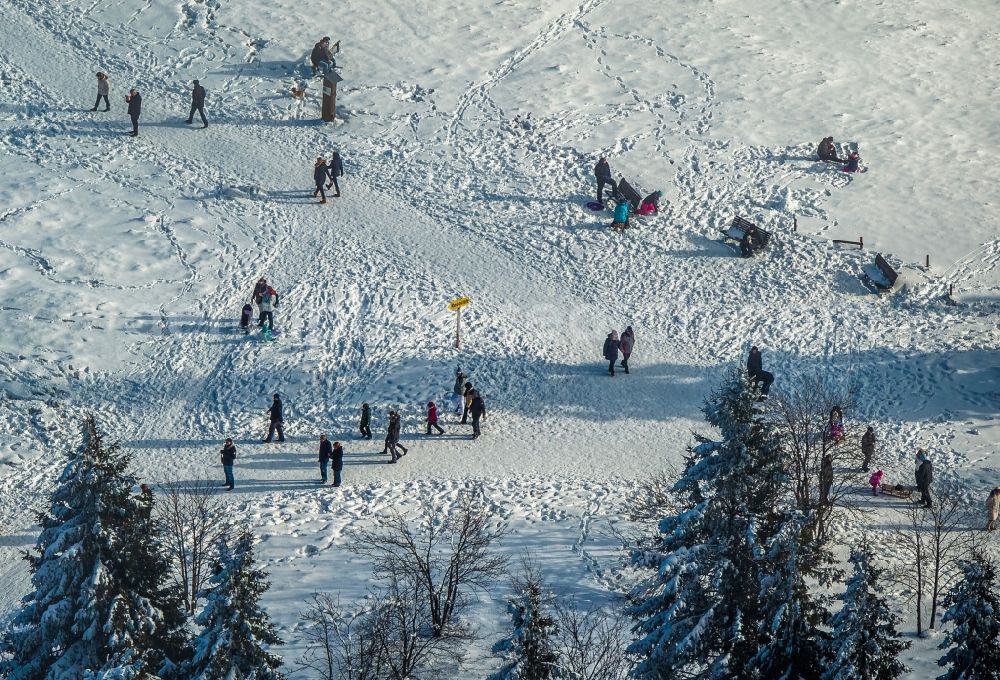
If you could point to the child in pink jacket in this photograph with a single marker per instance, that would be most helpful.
(876, 481)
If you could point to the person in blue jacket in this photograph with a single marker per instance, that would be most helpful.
(622, 212)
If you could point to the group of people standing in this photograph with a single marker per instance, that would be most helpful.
(614, 344)
(134, 101)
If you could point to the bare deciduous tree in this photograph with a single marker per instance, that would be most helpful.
(592, 643)
(933, 543)
(803, 416)
(448, 555)
(341, 644)
(194, 519)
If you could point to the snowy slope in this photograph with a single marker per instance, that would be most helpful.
(469, 131)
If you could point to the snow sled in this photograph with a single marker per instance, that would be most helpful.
(245, 317)
(896, 491)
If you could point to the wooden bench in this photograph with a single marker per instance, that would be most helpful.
(880, 274)
(738, 229)
(629, 193)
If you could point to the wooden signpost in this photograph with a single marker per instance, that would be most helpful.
(456, 306)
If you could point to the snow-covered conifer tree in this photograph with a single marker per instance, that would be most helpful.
(864, 644)
(973, 609)
(98, 608)
(529, 651)
(235, 626)
(700, 610)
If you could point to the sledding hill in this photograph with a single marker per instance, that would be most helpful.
(469, 134)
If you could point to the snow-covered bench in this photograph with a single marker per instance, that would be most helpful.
(738, 229)
(880, 273)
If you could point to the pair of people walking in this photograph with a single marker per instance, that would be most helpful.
(134, 101)
(392, 438)
(323, 172)
(330, 454)
(614, 344)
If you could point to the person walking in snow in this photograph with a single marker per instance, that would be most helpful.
(868, 447)
(197, 104)
(432, 418)
(924, 476)
(392, 437)
(992, 509)
(611, 345)
(325, 454)
(602, 172)
(134, 100)
(366, 421)
(755, 368)
(337, 463)
(456, 393)
(277, 420)
(626, 344)
(825, 478)
(320, 174)
(468, 402)
(478, 411)
(103, 90)
(335, 170)
(228, 454)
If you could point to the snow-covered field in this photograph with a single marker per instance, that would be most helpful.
(469, 131)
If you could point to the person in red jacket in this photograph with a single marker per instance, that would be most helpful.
(432, 418)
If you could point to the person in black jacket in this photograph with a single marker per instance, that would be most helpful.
(468, 402)
(366, 421)
(755, 367)
(325, 454)
(336, 170)
(478, 411)
(322, 57)
(277, 421)
(197, 104)
(320, 174)
(602, 171)
(134, 100)
(228, 454)
(338, 462)
(611, 345)
(925, 475)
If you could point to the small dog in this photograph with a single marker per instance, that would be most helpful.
(299, 94)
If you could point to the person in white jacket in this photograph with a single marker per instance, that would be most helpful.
(103, 90)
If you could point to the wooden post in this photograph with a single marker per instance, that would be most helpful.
(795, 223)
(861, 240)
(927, 262)
(951, 287)
(458, 326)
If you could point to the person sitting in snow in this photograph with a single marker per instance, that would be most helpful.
(622, 212)
(853, 162)
(827, 151)
(651, 204)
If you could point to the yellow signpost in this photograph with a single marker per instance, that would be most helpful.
(456, 306)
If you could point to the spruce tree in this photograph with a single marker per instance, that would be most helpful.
(701, 609)
(973, 607)
(864, 644)
(235, 625)
(529, 651)
(99, 607)
(787, 635)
